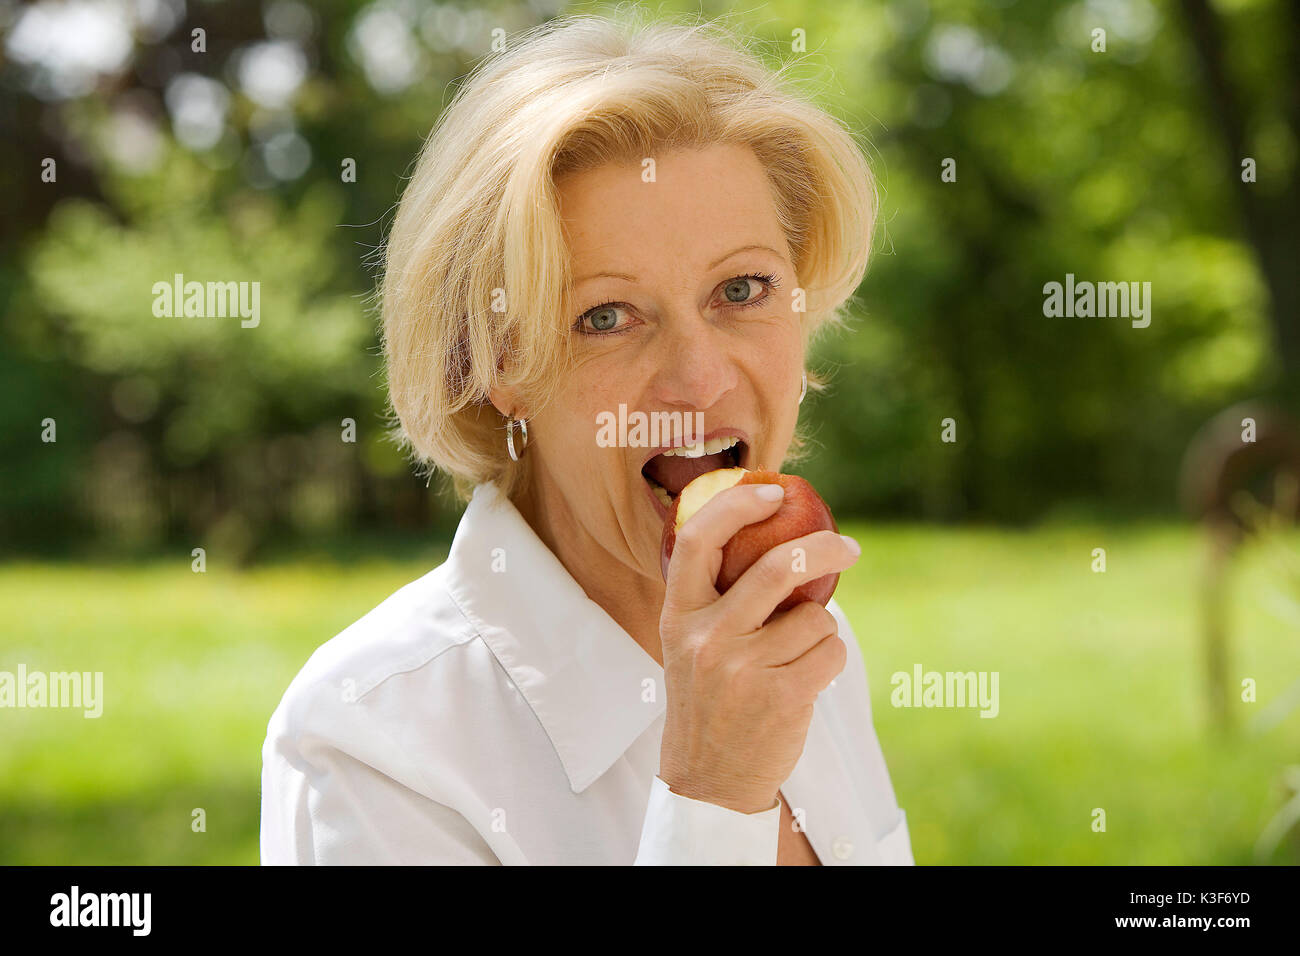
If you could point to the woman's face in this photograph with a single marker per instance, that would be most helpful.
(683, 304)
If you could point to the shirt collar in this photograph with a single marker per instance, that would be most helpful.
(592, 687)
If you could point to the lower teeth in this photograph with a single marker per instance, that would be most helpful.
(662, 494)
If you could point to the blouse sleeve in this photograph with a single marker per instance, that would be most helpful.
(681, 831)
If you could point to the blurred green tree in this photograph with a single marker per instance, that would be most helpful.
(275, 154)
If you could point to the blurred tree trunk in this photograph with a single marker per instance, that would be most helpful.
(1271, 222)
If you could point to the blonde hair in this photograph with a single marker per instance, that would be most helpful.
(476, 281)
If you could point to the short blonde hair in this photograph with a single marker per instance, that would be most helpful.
(476, 288)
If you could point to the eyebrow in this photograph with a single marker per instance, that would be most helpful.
(712, 265)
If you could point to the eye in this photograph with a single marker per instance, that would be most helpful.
(745, 290)
(601, 319)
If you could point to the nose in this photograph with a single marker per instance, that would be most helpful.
(695, 365)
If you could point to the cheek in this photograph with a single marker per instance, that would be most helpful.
(589, 393)
(618, 376)
(777, 349)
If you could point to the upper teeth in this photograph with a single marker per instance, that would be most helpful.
(699, 449)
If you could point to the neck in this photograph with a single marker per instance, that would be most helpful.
(633, 600)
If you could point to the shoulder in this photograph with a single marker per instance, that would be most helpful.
(413, 661)
(410, 628)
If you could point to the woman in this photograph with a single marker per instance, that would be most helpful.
(607, 215)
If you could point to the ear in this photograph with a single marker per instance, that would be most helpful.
(504, 401)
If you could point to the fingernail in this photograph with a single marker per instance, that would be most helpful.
(854, 548)
(770, 492)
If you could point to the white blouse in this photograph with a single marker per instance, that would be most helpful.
(491, 713)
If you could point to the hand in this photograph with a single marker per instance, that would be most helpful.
(740, 692)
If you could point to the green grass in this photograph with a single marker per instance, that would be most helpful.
(1101, 696)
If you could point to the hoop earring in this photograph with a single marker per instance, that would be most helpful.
(804, 390)
(510, 437)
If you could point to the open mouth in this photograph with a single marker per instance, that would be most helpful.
(671, 471)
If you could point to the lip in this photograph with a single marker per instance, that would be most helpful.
(716, 433)
(658, 505)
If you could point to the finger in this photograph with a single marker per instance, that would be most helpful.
(791, 634)
(771, 579)
(812, 672)
(697, 550)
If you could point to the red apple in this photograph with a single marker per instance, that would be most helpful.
(802, 512)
